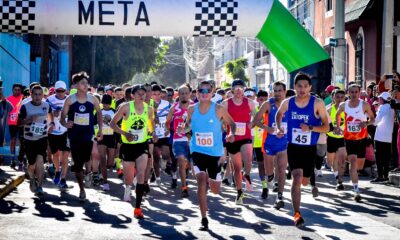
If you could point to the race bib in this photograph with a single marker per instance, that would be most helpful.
(81, 119)
(37, 128)
(13, 117)
(240, 128)
(107, 130)
(301, 138)
(283, 125)
(353, 127)
(160, 128)
(138, 135)
(205, 139)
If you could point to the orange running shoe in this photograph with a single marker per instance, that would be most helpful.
(138, 213)
(298, 220)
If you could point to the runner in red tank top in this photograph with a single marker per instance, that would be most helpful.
(241, 150)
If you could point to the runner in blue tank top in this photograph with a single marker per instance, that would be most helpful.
(79, 108)
(205, 119)
(275, 145)
(307, 117)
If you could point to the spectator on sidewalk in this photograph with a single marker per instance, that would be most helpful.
(383, 137)
(5, 108)
(385, 84)
(395, 104)
(16, 132)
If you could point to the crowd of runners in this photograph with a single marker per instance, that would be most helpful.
(210, 133)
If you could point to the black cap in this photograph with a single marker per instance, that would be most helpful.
(107, 99)
(138, 87)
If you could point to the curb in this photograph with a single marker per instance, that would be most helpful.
(11, 185)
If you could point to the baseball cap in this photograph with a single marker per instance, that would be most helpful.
(52, 90)
(60, 85)
(385, 96)
(107, 99)
(330, 88)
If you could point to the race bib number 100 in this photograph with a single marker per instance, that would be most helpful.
(205, 139)
(301, 138)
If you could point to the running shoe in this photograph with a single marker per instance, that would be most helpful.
(279, 203)
(185, 192)
(249, 186)
(377, 180)
(120, 173)
(318, 173)
(264, 194)
(226, 182)
(127, 194)
(82, 196)
(153, 176)
(20, 167)
(138, 214)
(51, 170)
(174, 183)
(158, 181)
(239, 198)
(275, 188)
(314, 191)
(357, 197)
(106, 187)
(88, 180)
(395, 170)
(96, 179)
(146, 188)
(33, 185)
(298, 220)
(39, 191)
(204, 224)
(57, 178)
(13, 164)
(63, 184)
(339, 187)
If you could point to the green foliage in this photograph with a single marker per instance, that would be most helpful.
(117, 59)
(170, 66)
(236, 69)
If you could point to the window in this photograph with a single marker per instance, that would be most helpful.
(328, 5)
(359, 59)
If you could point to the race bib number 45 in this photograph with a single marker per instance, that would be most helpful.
(205, 139)
(301, 138)
(81, 119)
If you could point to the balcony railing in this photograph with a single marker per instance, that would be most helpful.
(261, 61)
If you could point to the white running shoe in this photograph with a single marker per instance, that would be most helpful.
(127, 194)
(88, 180)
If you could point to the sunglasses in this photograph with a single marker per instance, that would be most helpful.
(60, 90)
(204, 90)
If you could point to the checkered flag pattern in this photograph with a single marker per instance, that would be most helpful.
(216, 18)
(16, 16)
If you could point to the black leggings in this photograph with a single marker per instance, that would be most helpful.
(383, 155)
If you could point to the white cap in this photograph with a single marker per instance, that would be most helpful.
(60, 84)
(385, 96)
(249, 94)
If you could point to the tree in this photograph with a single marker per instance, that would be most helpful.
(117, 59)
(236, 69)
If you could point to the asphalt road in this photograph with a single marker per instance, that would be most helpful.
(333, 215)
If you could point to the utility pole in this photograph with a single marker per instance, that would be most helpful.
(387, 37)
(340, 50)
